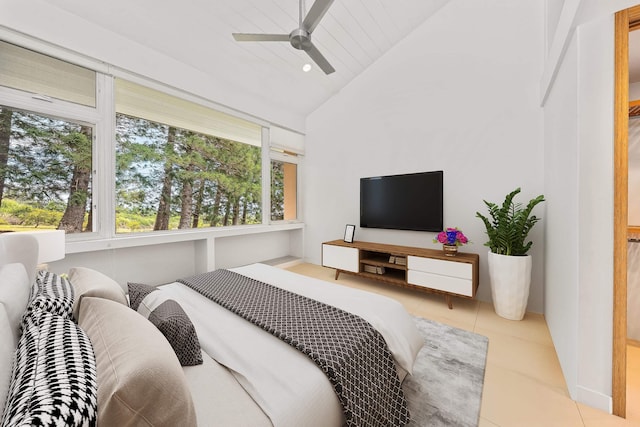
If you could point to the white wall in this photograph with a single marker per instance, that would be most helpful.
(166, 262)
(595, 9)
(240, 250)
(459, 94)
(561, 181)
(553, 9)
(595, 195)
(579, 176)
(155, 264)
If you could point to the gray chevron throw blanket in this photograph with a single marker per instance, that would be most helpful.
(352, 354)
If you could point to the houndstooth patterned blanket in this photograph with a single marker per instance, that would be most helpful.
(352, 354)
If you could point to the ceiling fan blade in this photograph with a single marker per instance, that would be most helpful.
(315, 14)
(317, 57)
(243, 37)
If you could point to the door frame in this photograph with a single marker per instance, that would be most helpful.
(624, 21)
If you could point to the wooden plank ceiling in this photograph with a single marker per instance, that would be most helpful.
(352, 35)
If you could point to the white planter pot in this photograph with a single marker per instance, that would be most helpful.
(510, 281)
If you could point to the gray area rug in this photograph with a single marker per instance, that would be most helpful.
(446, 386)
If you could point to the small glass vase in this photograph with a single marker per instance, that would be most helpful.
(450, 250)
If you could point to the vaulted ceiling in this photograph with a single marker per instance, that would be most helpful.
(352, 35)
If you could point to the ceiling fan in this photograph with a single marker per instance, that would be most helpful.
(300, 38)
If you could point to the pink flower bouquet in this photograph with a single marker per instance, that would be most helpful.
(451, 236)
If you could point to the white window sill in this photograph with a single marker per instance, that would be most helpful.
(157, 238)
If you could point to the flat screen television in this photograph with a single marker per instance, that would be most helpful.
(402, 202)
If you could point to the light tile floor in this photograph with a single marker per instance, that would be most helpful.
(524, 385)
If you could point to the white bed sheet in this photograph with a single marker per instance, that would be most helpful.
(285, 383)
(387, 315)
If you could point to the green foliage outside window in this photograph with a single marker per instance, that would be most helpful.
(169, 178)
(166, 178)
(45, 172)
(277, 190)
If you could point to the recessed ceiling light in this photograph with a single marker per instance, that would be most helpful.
(306, 68)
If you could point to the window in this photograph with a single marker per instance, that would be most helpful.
(47, 128)
(45, 172)
(180, 165)
(284, 188)
(286, 149)
(178, 162)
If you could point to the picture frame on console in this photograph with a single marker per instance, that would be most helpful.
(349, 232)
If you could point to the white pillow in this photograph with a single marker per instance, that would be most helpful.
(7, 350)
(14, 295)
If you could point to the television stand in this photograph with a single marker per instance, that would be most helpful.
(427, 270)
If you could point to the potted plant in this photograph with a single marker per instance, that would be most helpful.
(509, 264)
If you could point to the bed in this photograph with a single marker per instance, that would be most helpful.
(177, 357)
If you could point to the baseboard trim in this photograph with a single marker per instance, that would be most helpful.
(595, 399)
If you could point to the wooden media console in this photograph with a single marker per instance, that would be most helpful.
(423, 269)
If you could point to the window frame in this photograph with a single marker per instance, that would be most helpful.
(102, 119)
(186, 96)
(76, 113)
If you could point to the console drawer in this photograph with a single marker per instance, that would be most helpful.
(454, 285)
(461, 270)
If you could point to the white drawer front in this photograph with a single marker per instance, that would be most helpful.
(340, 258)
(462, 270)
(443, 283)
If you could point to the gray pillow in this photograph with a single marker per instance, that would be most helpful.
(137, 292)
(176, 326)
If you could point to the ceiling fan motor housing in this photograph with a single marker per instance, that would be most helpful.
(300, 39)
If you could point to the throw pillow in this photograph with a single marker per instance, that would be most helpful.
(175, 325)
(137, 292)
(54, 380)
(140, 381)
(52, 285)
(91, 283)
(51, 293)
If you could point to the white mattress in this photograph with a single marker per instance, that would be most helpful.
(286, 384)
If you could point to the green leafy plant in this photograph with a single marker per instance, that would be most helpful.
(509, 225)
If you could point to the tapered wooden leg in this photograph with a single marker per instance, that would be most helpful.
(337, 274)
(449, 301)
